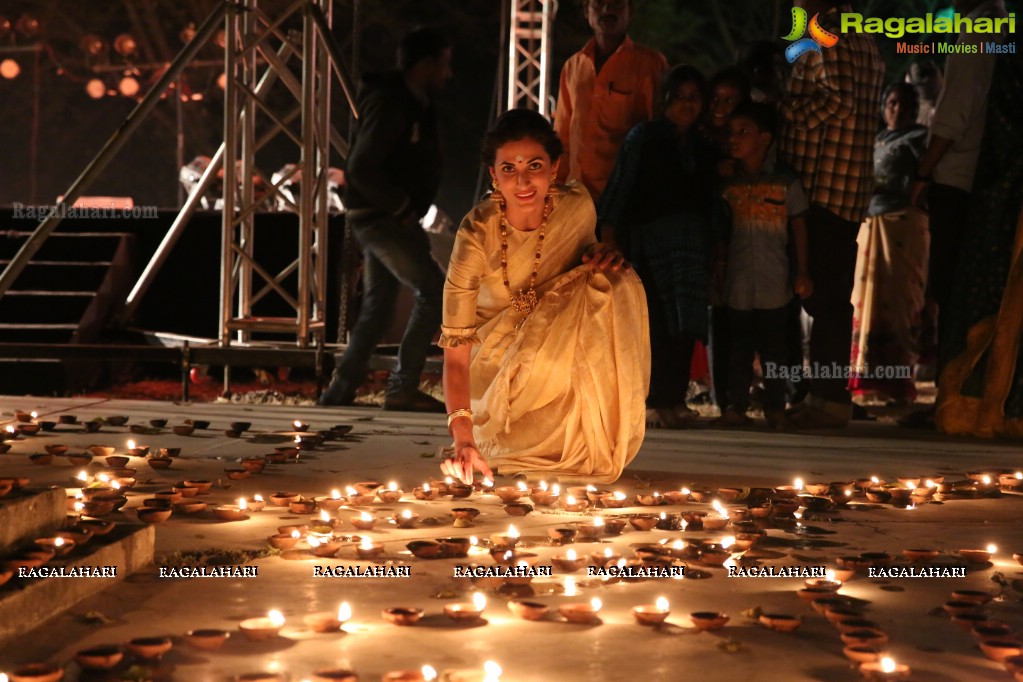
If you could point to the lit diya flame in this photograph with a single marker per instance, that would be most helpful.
(242, 505)
(570, 588)
(619, 495)
(407, 514)
(350, 491)
(344, 612)
(10, 430)
(930, 484)
(313, 542)
(543, 484)
(521, 486)
(79, 506)
(479, 601)
(59, 542)
(33, 414)
(986, 480)
(492, 671)
(487, 483)
(335, 494)
(297, 424)
(1019, 475)
(115, 485)
(473, 540)
(888, 665)
(664, 516)
(570, 500)
(366, 516)
(82, 476)
(104, 478)
(295, 534)
(662, 604)
(448, 480)
(590, 488)
(513, 531)
(875, 480)
(686, 491)
(728, 542)
(131, 445)
(798, 484)
(257, 498)
(276, 617)
(324, 516)
(298, 441)
(678, 544)
(428, 673)
(720, 509)
(392, 486)
(366, 544)
(598, 522)
(608, 553)
(426, 487)
(595, 604)
(992, 548)
(571, 555)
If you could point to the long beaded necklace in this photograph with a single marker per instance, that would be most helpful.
(526, 301)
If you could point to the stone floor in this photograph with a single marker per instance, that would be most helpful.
(402, 447)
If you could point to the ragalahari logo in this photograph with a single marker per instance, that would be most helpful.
(819, 37)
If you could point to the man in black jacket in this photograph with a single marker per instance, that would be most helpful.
(392, 176)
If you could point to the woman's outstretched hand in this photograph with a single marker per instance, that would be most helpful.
(467, 460)
(605, 257)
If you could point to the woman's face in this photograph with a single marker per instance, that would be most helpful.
(523, 173)
(687, 106)
(723, 101)
(897, 112)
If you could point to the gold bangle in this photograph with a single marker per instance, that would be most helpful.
(461, 412)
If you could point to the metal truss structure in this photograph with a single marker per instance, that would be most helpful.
(529, 54)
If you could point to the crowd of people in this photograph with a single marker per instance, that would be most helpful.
(761, 211)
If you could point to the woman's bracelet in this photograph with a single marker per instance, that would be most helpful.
(461, 412)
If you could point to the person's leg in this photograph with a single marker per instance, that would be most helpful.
(769, 330)
(719, 354)
(948, 213)
(380, 293)
(405, 253)
(795, 387)
(832, 264)
(740, 370)
(665, 370)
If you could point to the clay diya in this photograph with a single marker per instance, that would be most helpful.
(183, 430)
(508, 493)
(99, 657)
(572, 504)
(780, 622)
(260, 629)
(153, 514)
(79, 459)
(466, 612)
(335, 675)
(425, 492)
(919, 555)
(37, 672)
(283, 499)
(368, 550)
(459, 490)
(528, 610)
(41, 458)
(149, 647)
(402, 615)
(186, 490)
(652, 614)
(543, 497)
(302, 506)
(518, 509)
(363, 521)
(58, 545)
(56, 450)
(614, 526)
(206, 639)
(254, 465)
(1000, 649)
(455, 547)
(234, 474)
(569, 562)
(865, 636)
(406, 519)
(976, 556)
(284, 540)
(862, 654)
(992, 630)
(975, 596)
(189, 507)
(506, 540)
(159, 462)
(229, 512)
(562, 536)
(329, 621)
(708, 620)
(425, 549)
(884, 669)
(582, 613)
(643, 521)
(969, 621)
(202, 484)
(392, 493)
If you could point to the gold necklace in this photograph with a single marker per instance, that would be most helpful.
(524, 302)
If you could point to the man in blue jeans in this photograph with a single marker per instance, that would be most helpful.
(392, 176)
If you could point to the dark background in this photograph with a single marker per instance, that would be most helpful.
(70, 127)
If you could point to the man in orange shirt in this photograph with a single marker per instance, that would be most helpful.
(607, 87)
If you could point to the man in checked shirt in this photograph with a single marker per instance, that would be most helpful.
(830, 111)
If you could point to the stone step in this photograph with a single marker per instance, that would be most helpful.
(27, 602)
(29, 514)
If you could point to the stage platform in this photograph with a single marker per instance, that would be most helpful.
(403, 447)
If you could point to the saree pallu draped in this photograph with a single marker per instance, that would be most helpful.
(560, 393)
(981, 389)
(888, 297)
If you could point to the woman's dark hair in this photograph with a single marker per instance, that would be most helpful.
(907, 94)
(425, 42)
(520, 124)
(734, 76)
(678, 76)
(764, 116)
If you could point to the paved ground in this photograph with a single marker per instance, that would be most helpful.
(386, 446)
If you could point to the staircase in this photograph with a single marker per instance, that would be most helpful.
(67, 294)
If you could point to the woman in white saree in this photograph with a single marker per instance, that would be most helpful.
(547, 354)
